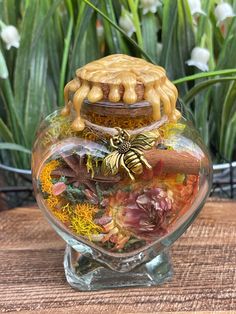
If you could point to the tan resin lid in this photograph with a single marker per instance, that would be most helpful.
(124, 79)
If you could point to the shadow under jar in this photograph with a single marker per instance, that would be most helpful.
(119, 190)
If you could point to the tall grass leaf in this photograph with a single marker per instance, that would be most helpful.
(112, 36)
(134, 44)
(185, 30)
(88, 47)
(80, 31)
(224, 62)
(16, 147)
(203, 20)
(5, 133)
(92, 51)
(228, 110)
(203, 75)
(24, 55)
(31, 30)
(35, 97)
(35, 102)
(66, 48)
(54, 48)
(3, 67)
(230, 138)
(169, 26)
(45, 20)
(149, 34)
(203, 85)
(9, 12)
(185, 42)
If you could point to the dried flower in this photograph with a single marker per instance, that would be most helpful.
(223, 12)
(150, 6)
(195, 7)
(144, 213)
(10, 36)
(126, 22)
(199, 58)
(58, 188)
(183, 193)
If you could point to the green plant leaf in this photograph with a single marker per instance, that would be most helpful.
(24, 56)
(35, 102)
(149, 33)
(230, 138)
(12, 146)
(82, 24)
(45, 20)
(67, 42)
(113, 37)
(228, 110)
(36, 17)
(203, 85)
(133, 5)
(3, 67)
(135, 45)
(203, 75)
(55, 51)
(169, 26)
(5, 133)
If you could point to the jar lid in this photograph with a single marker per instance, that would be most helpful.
(124, 79)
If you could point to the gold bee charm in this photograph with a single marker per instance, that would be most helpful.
(128, 153)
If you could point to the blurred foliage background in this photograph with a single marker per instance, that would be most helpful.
(58, 36)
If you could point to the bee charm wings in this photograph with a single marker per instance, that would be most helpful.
(137, 144)
(110, 164)
(145, 140)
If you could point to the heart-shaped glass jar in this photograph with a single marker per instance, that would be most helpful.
(119, 173)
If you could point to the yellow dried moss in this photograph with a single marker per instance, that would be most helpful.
(52, 201)
(82, 220)
(62, 216)
(45, 176)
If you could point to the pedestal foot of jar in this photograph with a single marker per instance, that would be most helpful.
(85, 274)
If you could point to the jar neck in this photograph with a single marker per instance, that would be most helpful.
(121, 115)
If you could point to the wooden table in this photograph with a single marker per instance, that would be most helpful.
(32, 276)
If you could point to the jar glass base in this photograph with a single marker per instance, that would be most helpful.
(85, 274)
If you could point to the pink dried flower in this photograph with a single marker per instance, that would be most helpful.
(58, 188)
(103, 220)
(144, 213)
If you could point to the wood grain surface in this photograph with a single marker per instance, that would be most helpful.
(32, 276)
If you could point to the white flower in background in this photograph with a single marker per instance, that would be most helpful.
(126, 22)
(195, 7)
(223, 12)
(149, 6)
(199, 58)
(10, 36)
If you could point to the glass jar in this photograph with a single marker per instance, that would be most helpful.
(120, 189)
